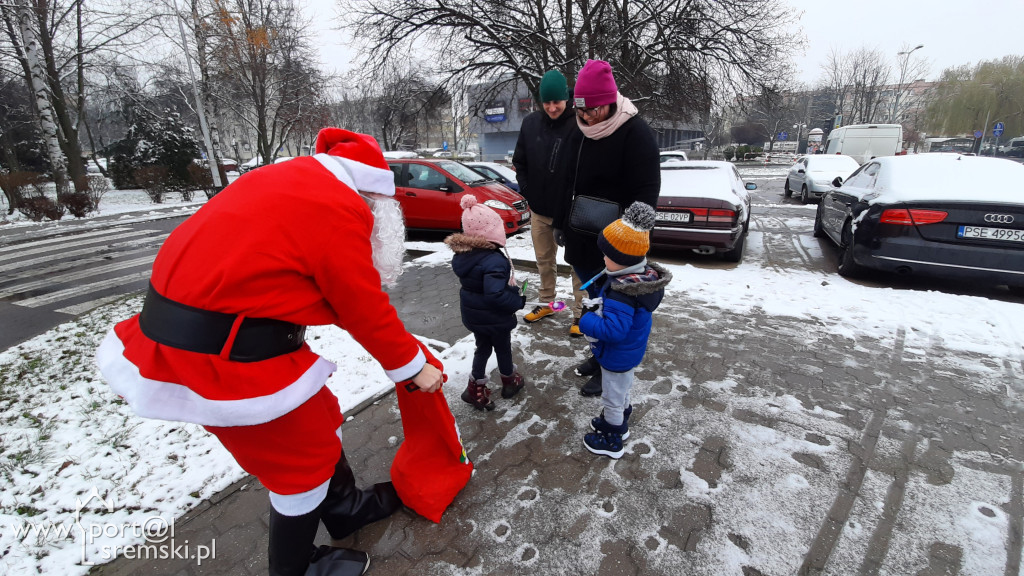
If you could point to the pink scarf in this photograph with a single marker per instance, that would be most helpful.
(624, 110)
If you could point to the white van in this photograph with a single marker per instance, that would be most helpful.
(865, 141)
(1014, 147)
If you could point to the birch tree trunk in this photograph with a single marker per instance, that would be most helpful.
(58, 164)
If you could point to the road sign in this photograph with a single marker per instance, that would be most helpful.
(444, 145)
(998, 129)
(783, 136)
(978, 134)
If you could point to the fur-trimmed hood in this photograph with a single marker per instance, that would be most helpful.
(461, 243)
(644, 287)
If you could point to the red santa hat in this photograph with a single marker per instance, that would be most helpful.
(362, 158)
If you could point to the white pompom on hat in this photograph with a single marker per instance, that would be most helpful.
(479, 220)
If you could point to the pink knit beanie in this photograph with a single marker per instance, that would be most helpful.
(595, 85)
(479, 220)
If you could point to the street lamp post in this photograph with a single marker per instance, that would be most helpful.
(799, 134)
(899, 87)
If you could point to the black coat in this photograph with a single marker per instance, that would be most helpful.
(541, 161)
(487, 302)
(623, 167)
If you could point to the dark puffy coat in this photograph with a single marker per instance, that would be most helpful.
(487, 302)
(623, 167)
(625, 325)
(541, 160)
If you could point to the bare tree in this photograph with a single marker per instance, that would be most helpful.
(857, 82)
(655, 47)
(268, 83)
(54, 43)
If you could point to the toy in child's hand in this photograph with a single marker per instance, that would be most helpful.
(556, 306)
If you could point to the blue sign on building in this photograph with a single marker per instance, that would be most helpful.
(495, 113)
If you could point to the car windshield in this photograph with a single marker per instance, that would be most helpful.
(462, 172)
(817, 163)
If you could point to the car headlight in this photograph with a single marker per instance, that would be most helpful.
(497, 204)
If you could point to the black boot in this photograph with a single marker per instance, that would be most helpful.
(291, 542)
(593, 386)
(588, 367)
(346, 509)
(291, 551)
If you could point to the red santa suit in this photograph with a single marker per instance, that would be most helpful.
(291, 242)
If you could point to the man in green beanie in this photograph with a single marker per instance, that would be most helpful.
(541, 171)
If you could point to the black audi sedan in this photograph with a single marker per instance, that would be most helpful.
(944, 215)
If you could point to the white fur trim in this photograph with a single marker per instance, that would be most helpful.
(359, 176)
(175, 402)
(409, 370)
(302, 503)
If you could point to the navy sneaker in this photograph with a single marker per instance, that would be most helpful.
(600, 423)
(605, 444)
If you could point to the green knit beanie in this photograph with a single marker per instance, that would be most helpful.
(553, 87)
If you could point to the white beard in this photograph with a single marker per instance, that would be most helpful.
(387, 238)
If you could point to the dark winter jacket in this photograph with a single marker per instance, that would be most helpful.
(541, 160)
(625, 325)
(623, 167)
(487, 301)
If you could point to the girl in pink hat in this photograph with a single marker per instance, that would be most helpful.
(489, 299)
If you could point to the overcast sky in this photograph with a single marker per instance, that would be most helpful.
(953, 32)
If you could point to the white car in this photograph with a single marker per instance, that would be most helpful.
(812, 175)
(497, 172)
(672, 156)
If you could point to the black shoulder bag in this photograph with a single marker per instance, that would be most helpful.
(590, 214)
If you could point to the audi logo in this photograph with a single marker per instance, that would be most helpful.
(999, 218)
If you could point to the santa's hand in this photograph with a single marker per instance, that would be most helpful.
(429, 379)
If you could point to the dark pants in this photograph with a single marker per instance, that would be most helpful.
(585, 275)
(501, 343)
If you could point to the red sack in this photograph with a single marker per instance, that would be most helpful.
(431, 466)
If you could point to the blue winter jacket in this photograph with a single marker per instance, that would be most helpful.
(487, 301)
(623, 330)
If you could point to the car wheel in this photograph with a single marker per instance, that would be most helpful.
(819, 231)
(803, 195)
(785, 188)
(847, 267)
(736, 254)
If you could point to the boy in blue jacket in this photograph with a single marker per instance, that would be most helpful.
(618, 322)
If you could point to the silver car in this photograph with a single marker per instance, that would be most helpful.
(812, 175)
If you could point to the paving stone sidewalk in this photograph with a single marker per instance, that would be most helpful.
(760, 445)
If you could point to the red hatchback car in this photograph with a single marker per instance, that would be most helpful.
(430, 190)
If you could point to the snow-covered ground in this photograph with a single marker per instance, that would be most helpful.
(63, 434)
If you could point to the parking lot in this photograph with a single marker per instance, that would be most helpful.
(787, 421)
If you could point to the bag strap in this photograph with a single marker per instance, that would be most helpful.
(576, 175)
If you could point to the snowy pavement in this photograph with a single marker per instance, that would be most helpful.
(786, 421)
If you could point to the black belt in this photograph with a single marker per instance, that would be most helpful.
(196, 330)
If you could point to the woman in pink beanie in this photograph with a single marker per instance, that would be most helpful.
(614, 157)
(489, 299)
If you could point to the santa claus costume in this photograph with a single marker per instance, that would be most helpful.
(219, 341)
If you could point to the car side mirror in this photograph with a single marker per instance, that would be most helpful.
(838, 181)
(750, 186)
